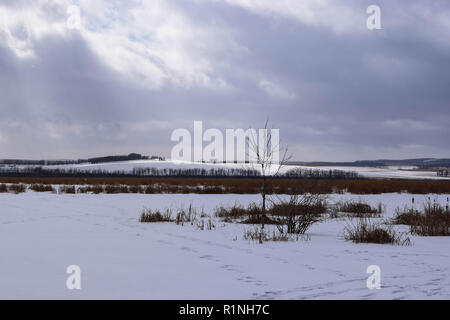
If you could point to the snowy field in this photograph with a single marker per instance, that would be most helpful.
(43, 233)
(391, 172)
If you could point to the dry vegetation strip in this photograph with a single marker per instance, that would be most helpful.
(244, 185)
(431, 220)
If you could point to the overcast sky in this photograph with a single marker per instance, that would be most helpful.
(136, 70)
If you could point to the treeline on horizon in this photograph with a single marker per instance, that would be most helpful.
(117, 158)
(297, 173)
(443, 173)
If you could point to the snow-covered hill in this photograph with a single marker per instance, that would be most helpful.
(392, 172)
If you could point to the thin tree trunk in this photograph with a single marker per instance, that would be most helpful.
(264, 203)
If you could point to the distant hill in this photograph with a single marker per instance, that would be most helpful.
(419, 162)
(130, 157)
(116, 158)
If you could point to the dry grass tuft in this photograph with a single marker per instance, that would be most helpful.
(365, 231)
(148, 215)
(433, 220)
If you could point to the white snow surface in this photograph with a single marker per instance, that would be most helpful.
(392, 172)
(41, 234)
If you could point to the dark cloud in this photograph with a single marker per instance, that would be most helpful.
(337, 96)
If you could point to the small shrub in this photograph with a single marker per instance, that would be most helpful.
(42, 188)
(95, 189)
(3, 188)
(149, 190)
(434, 220)
(148, 215)
(114, 189)
(189, 215)
(17, 188)
(256, 219)
(406, 216)
(297, 224)
(299, 213)
(367, 232)
(237, 211)
(359, 209)
(67, 189)
(135, 189)
(307, 204)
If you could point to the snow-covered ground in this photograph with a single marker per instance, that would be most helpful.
(43, 233)
(392, 172)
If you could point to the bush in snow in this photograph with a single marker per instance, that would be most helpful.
(110, 188)
(365, 231)
(96, 189)
(263, 235)
(299, 213)
(3, 188)
(183, 216)
(359, 209)
(238, 211)
(67, 189)
(42, 188)
(433, 220)
(17, 188)
(297, 205)
(148, 215)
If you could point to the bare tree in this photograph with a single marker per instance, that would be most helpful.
(266, 155)
(299, 212)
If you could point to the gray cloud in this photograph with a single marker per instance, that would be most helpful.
(336, 90)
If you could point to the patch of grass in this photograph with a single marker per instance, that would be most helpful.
(67, 189)
(148, 215)
(256, 234)
(135, 189)
(3, 188)
(17, 188)
(433, 220)
(365, 231)
(297, 224)
(406, 216)
(299, 213)
(114, 189)
(186, 216)
(237, 211)
(250, 185)
(256, 219)
(261, 235)
(307, 204)
(95, 189)
(42, 188)
(359, 209)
